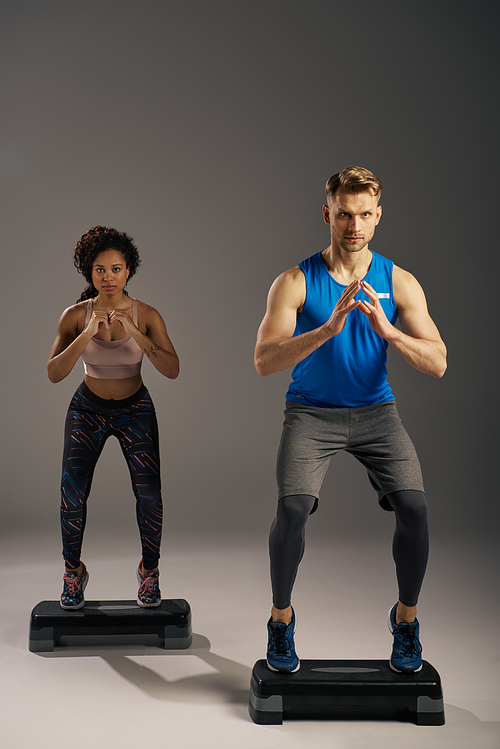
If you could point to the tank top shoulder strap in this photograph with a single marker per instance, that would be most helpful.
(89, 312)
(134, 310)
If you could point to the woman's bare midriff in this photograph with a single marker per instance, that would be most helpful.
(114, 389)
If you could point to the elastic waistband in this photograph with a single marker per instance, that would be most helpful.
(335, 409)
(104, 403)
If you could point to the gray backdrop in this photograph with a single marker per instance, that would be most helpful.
(206, 130)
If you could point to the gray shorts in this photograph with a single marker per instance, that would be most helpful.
(373, 434)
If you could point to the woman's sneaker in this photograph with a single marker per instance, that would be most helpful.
(281, 655)
(149, 593)
(406, 655)
(73, 587)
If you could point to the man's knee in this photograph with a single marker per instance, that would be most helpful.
(294, 510)
(410, 506)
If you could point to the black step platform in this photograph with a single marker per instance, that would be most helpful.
(353, 690)
(170, 622)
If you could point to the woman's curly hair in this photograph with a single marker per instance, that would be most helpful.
(96, 240)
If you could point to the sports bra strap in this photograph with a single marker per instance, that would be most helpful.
(89, 312)
(134, 310)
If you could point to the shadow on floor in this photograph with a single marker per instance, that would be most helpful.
(227, 682)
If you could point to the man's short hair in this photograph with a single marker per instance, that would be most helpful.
(354, 179)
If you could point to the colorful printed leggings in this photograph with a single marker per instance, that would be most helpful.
(89, 423)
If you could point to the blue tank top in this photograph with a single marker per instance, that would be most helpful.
(348, 370)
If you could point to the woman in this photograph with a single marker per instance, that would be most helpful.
(110, 331)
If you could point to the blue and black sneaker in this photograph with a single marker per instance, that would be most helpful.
(73, 587)
(281, 655)
(406, 655)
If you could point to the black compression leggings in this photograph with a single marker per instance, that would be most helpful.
(410, 546)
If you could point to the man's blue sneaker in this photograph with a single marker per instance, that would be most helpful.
(406, 655)
(281, 655)
(73, 587)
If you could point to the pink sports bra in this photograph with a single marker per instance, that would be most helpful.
(112, 360)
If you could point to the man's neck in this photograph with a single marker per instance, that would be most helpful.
(347, 266)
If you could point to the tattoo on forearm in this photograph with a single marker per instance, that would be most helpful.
(152, 351)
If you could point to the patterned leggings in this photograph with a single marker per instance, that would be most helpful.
(89, 423)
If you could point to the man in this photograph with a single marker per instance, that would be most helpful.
(332, 318)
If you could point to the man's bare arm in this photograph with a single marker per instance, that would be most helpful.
(277, 348)
(418, 341)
